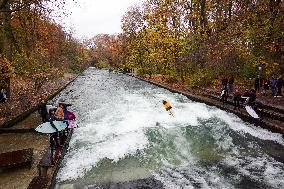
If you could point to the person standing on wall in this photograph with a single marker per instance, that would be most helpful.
(224, 95)
(236, 99)
(272, 85)
(256, 84)
(231, 85)
(266, 87)
(43, 111)
(224, 82)
(279, 85)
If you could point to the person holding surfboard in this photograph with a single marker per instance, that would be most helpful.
(57, 138)
(59, 113)
(251, 98)
(224, 95)
(252, 106)
(168, 107)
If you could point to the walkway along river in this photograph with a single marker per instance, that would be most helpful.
(125, 137)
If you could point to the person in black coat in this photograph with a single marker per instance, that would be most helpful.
(224, 82)
(257, 84)
(245, 96)
(43, 112)
(252, 98)
(266, 87)
(279, 85)
(237, 99)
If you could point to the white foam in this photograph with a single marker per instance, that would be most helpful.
(238, 125)
(191, 176)
(261, 168)
(116, 128)
(81, 161)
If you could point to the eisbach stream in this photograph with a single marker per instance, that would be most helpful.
(125, 134)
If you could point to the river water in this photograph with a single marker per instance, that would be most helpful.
(125, 137)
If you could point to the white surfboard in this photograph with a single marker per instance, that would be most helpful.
(222, 93)
(251, 112)
(47, 128)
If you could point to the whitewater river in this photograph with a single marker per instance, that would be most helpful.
(126, 137)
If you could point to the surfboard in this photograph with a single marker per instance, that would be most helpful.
(171, 113)
(251, 112)
(47, 128)
(222, 93)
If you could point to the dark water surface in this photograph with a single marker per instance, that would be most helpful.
(127, 140)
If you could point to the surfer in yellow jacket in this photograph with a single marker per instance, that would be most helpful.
(168, 107)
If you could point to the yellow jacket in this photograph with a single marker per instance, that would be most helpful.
(167, 106)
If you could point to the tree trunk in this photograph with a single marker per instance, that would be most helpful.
(203, 18)
(230, 10)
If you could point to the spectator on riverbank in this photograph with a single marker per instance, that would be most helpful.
(266, 87)
(252, 98)
(245, 95)
(3, 97)
(278, 86)
(236, 99)
(257, 84)
(43, 111)
(258, 107)
(224, 95)
(272, 84)
(231, 85)
(224, 82)
(59, 113)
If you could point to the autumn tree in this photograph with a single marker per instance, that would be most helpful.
(201, 40)
(106, 50)
(36, 46)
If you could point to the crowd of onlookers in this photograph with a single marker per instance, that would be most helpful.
(248, 97)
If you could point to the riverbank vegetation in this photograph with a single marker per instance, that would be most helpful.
(197, 41)
(33, 47)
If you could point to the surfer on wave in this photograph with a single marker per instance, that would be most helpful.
(168, 107)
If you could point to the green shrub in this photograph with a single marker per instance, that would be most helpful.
(249, 70)
(201, 78)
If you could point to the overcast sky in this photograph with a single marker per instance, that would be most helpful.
(91, 17)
